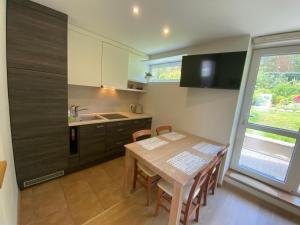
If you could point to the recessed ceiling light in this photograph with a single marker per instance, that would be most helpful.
(166, 31)
(135, 10)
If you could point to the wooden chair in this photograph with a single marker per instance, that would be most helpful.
(163, 128)
(214, 174)
(142, 174)
(192, 195)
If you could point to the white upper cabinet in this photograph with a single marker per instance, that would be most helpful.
(136, 68)
(84, 59)
(114, 66)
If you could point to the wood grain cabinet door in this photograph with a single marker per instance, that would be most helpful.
(91, 143)
(38, 113)
(37, 86)
(36, 37)
(38, 102)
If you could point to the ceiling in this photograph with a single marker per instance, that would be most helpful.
(190, 21)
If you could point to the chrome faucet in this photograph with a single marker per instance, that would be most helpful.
(74, 109)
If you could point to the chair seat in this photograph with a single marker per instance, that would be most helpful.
(145, 170)
(168, 188)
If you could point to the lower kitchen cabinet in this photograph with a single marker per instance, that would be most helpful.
(91, 143)
(97, 143)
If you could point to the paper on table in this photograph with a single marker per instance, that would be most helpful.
(207, 148)
(152, 143)
(187, 162)
(173, 136)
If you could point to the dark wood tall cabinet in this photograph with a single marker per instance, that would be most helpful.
(37, 84)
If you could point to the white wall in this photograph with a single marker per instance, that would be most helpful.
(101, 100)
(9, 193)
(206, 112)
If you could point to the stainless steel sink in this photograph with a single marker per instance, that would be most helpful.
(89, 117)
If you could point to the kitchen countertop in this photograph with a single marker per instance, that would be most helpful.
(131, 116)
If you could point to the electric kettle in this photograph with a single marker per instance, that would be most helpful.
(136, 108)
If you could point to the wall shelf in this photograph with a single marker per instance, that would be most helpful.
(3, 165)
(131, 89)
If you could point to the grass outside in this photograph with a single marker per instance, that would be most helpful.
(285, 120)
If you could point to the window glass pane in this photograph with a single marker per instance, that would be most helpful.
(276, 99)
(267, 154)
(166, 71)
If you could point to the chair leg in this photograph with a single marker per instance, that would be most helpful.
(135, 173)
(159, 194)
(205, 193)
(149, 182)
(213, 187)
(197, 214)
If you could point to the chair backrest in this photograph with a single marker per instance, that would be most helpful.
(140, 134)
(221, 155)
(200, 179)
(167, 128)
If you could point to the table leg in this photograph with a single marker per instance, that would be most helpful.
(128, 176)
(176, 205)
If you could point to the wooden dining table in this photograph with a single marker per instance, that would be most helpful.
(156, 160)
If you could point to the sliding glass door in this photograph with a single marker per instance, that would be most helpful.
(267, 143)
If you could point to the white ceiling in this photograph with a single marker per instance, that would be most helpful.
(191, 21)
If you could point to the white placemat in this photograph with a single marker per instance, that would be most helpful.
(152, 143)
(207, 148)
(173, 136)
(187, 162)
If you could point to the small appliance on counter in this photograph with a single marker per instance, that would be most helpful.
(136, 108)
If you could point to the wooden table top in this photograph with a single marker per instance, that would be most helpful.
(156, 159)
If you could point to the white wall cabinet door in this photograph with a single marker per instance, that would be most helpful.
(136, 68)
(84, 59)
(114, 66)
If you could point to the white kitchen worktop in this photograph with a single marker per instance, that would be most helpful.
(129, 115)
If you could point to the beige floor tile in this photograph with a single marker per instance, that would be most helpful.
(84, 207)
(58, 218)
(69, 180)
(74, 191)
(49, 186)
(27, 211)
(109, 196)
(48, 202)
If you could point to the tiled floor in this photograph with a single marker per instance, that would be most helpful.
(75, 198)
(229, 206)
(93, 197)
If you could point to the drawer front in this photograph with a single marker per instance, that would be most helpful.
(119, 130)
(92, 131)
(91, 151)
(117, 143)
(119, 124)
(141, 124)
(116, 147)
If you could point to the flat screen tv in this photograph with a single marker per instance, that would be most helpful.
(220, 70)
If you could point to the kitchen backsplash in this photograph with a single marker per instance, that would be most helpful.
(101, 100)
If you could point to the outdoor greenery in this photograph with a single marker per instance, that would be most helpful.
(279, 76)
(168, 71)
(276, 98)
(285, 120)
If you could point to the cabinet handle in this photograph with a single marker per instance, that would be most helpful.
(99, 126)
(120, 129)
